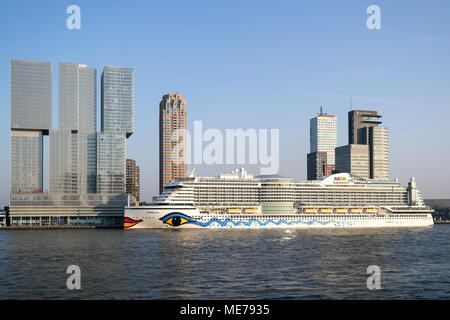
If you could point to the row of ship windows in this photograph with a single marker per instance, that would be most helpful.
(303, 197)
(294, 192)
(302, 200)
(285, 194)
(290, 189)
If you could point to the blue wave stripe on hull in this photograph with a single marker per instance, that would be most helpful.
(224, 223)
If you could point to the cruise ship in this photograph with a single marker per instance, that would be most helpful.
(240, 200)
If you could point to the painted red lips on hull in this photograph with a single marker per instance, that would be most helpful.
(128, 222)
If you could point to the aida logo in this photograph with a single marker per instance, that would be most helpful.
(340, 179)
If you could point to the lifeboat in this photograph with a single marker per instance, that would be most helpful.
(371, 210)
(341, 210)
(356, 210)
(326, 210)
(234, 210)
(310, 210)
(251, 210)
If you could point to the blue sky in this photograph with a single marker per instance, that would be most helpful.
(255, 64)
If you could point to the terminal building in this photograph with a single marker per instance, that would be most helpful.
(63, 209)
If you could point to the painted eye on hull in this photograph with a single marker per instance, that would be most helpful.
(176, 219)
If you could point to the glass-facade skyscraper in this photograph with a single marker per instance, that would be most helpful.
(117, 100)
(111, 162)
(31, 118)
(73, 162)
(77, 98)
(117, 124)
(26, 161)
(73, 147)
(31, 95)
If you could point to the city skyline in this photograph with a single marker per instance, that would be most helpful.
(400, 89)
(76, 134)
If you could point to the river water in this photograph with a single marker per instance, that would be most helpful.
(226, 264)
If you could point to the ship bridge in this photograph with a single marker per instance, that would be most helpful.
(176, 193)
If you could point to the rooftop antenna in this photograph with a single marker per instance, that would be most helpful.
(351, 107)
(321, 111)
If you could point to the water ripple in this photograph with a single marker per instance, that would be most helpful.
(226, 264)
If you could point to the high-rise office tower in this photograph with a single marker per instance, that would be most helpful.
(353, 158)
(323, 138)
(111, 165)
(117, 124)
(379, 153)
(172, 118)
(363, 126)
(133, 179)
(316, 162)
(27, 161)
(31, 95)
(77, 97)
(358, 120)
(73, 147)
(117, 100)
(31, 118)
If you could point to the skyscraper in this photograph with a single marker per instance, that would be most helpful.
(111, 165)
(364, 128)
(379, 153)
(133, 179)
(117, 124)
(31, 118)
(316, 162)
(27, 161)
(117, 100)
(73, 147)
(358, 120)
(353, 158)
(31, 95)
(172, 119)
(323, 138)
(77, 97)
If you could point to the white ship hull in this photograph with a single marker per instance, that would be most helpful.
(187, 218)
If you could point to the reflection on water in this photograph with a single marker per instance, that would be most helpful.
(226, 264)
